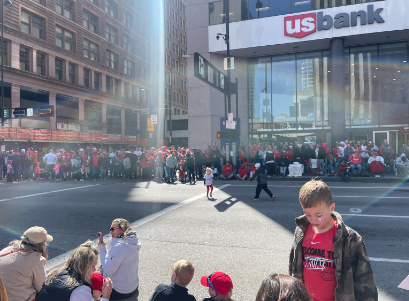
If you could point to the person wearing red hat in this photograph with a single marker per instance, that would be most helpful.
(220, 286)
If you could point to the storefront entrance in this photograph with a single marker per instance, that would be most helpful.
(391, 136)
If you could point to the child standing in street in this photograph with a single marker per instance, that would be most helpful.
(9, 172)
(328, 256)
(208, 181)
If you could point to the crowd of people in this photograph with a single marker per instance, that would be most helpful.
(324, 272)
(171, 164)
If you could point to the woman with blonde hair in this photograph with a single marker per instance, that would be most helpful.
(220, 286)
(22, 264)
(279, 287)
(72, 281)
(120, 261)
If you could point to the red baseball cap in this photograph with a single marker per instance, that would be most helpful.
(221, 282)
(97, 281)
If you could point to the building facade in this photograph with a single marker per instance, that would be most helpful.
(87, 58)
(308, 71)
(176, 101)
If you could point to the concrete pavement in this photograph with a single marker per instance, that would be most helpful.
(246, 239)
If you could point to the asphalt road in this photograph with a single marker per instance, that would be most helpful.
(231, 233)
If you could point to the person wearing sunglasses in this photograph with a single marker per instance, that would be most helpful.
(220, 286)
(121, 261)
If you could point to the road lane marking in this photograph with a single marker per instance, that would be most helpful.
(369, 215)
(61, 259)
(42, 193)
(336, 187)
(388, 260)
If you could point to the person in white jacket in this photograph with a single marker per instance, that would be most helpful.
(72, 281)
(121, 261)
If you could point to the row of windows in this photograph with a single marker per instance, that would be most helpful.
(175, 64)
(41, 69)
(35, 26)
(177, 98)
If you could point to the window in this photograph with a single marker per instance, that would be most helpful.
(183, 69)
(111, 59)
(64, 38)
(175, 64)
(167, 10)
(127, 19)
(182, 23)
(71, 73)
(117, 87)
(182, 9)
(92, 111)
(167, 26)
(134, 93)
(141, 50)
(175, 3)
(90, 50)
(93, 1)
(174, 15)
(128, 67)
(40, 63)
(3, 59)
(59, 69)
(39, 1)
(97, 75)
(167, 77)
(127, 88)
(183, 84)
(175, 81)
(24, 58)
(167, 59)
(86, 77)
(176, 111)
(167, 43)
(65, 8)
(113, 120)
(33, 25)
(128, 43)
(183, 39)
(111, 8)
(109, 84)
(175, 32)
(90, 21)
(111, 33)
(175, 49)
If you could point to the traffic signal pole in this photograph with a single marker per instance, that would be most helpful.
(228, 96)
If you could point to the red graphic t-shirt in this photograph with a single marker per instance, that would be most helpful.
(319, 263)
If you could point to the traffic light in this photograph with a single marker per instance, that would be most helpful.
(221, 135)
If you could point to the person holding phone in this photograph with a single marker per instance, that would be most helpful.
(121, 261)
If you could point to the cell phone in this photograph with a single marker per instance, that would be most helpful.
(101, 239)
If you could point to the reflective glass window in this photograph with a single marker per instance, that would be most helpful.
(259, 9)
(279, 7)
(300, 5)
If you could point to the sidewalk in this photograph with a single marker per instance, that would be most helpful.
(389, 178)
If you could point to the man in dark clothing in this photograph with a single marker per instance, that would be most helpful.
(16, 166)
(261, 177)
(215, 154)
(182, 273)
(199, 161)
(23, 165)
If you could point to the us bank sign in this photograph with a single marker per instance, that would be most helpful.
(299, 26)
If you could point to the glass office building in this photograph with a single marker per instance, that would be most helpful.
(344, 77)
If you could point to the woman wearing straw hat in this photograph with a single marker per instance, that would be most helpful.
(22, 264)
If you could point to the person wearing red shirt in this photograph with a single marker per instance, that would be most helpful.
(64, 162)
(254, 151)
(33, 153)
(289, 154)
(276, 152)
(94, 164)
(207, 156)
(343, 171)
(242, 174)
(227, 171)
(355, 161)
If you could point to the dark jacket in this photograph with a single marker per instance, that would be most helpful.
(190, 163)
(348, 152)
(353, 270)
(296, 151)
(270, 156)
(58, 289)
(308, 154)
(260, 175)
(218, 154)
(283, 162)
(171, 292)
(321, 152)
(102, 162)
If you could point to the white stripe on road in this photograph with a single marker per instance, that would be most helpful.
(42, 193)
(341, 187)
(60, 259)
(369, 215)
(388, 260)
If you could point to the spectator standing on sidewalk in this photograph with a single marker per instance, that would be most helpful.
(270, 163)
(16, 165)
(182, 274)
(386, 152)
(23, 165)
(22, 264)
(50, 160)
(120, 261)
(102, 165)
(171, 163)
(261, 177)
(3, 163)
(159, 168)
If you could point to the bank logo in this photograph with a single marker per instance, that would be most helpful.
(300, 26)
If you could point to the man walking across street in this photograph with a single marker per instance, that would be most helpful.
(261, 177)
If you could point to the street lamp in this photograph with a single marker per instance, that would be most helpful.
(6, 3)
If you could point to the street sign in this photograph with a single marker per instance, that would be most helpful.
(20, 112)
(208, 73)
(46, 111)
(231, 63)
(230, 123)
(30, 112)
(6, 113)
(151, 127)
(154, 119)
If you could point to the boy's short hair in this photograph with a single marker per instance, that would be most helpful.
(313, 193)
(184, 270)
